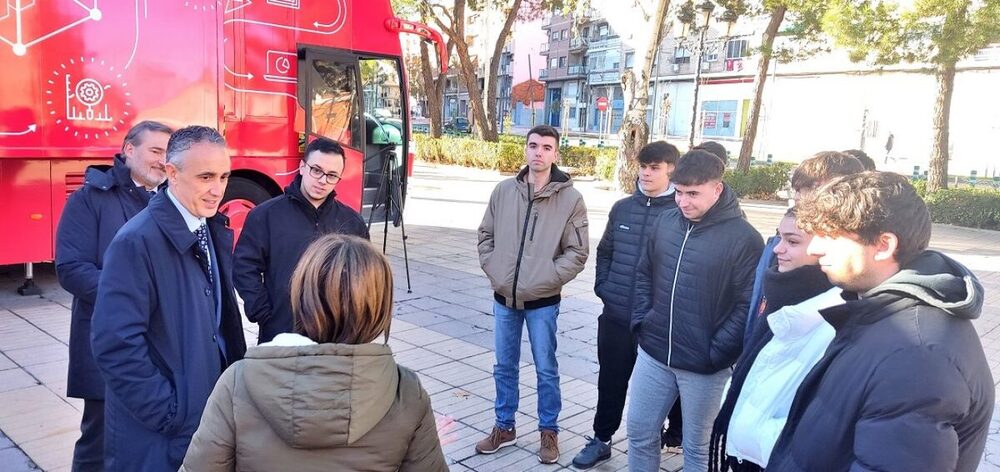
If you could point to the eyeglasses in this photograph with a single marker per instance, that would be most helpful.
(317, 173)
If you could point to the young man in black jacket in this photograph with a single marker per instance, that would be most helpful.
(617, 256)
(692, 291)
(277, 232)
(904, 385)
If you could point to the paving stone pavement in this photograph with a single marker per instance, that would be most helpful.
(443, 330)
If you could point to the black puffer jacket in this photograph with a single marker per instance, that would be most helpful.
(629, 224)
(904, 385)
(693, 287)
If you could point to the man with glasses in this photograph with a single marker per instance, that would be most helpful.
(277, 232)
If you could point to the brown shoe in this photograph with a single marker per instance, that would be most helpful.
(548, 452)
(498, 439)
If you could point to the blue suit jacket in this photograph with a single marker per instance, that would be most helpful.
(154, 336)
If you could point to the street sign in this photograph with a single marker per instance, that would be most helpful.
(602, 103)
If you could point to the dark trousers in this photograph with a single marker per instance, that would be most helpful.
(88, 454)
(616, 352)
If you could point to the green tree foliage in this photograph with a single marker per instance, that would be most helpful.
(938, 33)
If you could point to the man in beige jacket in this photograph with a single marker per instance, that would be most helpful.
(533, 240)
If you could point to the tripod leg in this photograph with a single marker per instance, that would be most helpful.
(406, 257)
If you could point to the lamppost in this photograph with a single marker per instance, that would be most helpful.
(695, 21)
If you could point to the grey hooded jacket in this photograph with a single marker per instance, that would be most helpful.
(904, 385)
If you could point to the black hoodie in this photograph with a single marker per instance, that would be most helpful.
(903, 386)
(693, 286)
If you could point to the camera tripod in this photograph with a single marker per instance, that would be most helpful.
(389, 197)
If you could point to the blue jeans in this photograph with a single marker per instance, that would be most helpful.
(507, 341)
(654, 389)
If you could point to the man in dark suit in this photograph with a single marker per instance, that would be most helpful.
(166, 323)
(92, 216)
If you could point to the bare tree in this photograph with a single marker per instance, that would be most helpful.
(635, 86)
(452, 23)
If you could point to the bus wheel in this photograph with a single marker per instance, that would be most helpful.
(242, 195)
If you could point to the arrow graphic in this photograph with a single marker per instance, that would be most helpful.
(230, 87)
(31, 129)
(335, 26)
(245, 76)
(135, 46)
(242, 4)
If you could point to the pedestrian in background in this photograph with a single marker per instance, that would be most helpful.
(329, 396)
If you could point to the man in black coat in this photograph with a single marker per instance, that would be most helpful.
(904, 385)
(166, 322)
(692, 289)
(629, 224)
(277, 232)
(91, 218)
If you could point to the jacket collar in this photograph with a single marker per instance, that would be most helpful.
(865, 311)
(294, 192)
(557, 181)
(118, 175)
(664, 198)
(173, 226)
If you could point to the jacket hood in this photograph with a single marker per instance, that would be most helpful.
(104, 180)
(727, 208)
(558, 181)
(322, 395)
(939, 281)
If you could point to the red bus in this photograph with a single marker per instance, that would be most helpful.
(269, 74)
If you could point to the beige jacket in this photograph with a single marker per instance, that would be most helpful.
(531, 244)
(317, 407)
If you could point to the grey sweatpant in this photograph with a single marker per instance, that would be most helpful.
(653, 390)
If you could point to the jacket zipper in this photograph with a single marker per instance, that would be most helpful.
(520, 250)
(673, 294)
(534, 224)
(642, 241)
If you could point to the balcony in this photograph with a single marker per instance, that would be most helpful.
(604, 77)
(544, 49)
(576, 71)
(577, 44)
(542, 74)
(606, 42)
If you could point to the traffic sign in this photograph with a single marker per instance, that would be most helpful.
(602, 103)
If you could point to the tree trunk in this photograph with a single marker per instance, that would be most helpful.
(434, 99)
(491, 88)
(766, 50)
(938, 173)
(466, 68)
(635, 131)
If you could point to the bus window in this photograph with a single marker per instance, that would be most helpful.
(334, 112)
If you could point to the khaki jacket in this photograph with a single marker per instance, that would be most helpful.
(317, 407)
(533, 243)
